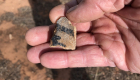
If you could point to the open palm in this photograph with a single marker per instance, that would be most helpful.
(107, 37)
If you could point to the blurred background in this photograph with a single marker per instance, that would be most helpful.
(18, 16)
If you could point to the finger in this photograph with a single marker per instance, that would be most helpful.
(130, 13)
(83, 27)
(57, 12)
(85, 39)
(88, 10)
(34, 53)
(60, 10)
(136, 3)
(38, 35)
(83, 57)
(42, 34)
(113, 49)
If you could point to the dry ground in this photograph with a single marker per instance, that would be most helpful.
(16, 17)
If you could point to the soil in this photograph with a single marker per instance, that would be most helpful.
(18, 16)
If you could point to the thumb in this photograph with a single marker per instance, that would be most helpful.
(88, 10)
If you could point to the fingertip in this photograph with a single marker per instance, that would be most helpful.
(32, 56)
(57, 12)
(39, 35)
(31, 37)
(36, 52)
(45, 61)
(54, 60)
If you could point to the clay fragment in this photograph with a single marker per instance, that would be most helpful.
(64, 35)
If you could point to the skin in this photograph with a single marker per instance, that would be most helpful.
(108, 35)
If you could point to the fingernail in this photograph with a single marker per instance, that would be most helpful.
(71, 9)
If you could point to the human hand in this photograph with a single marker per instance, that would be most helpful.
(108, 35)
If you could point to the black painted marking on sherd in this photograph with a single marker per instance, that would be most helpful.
(55, 42)
(64, 29)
